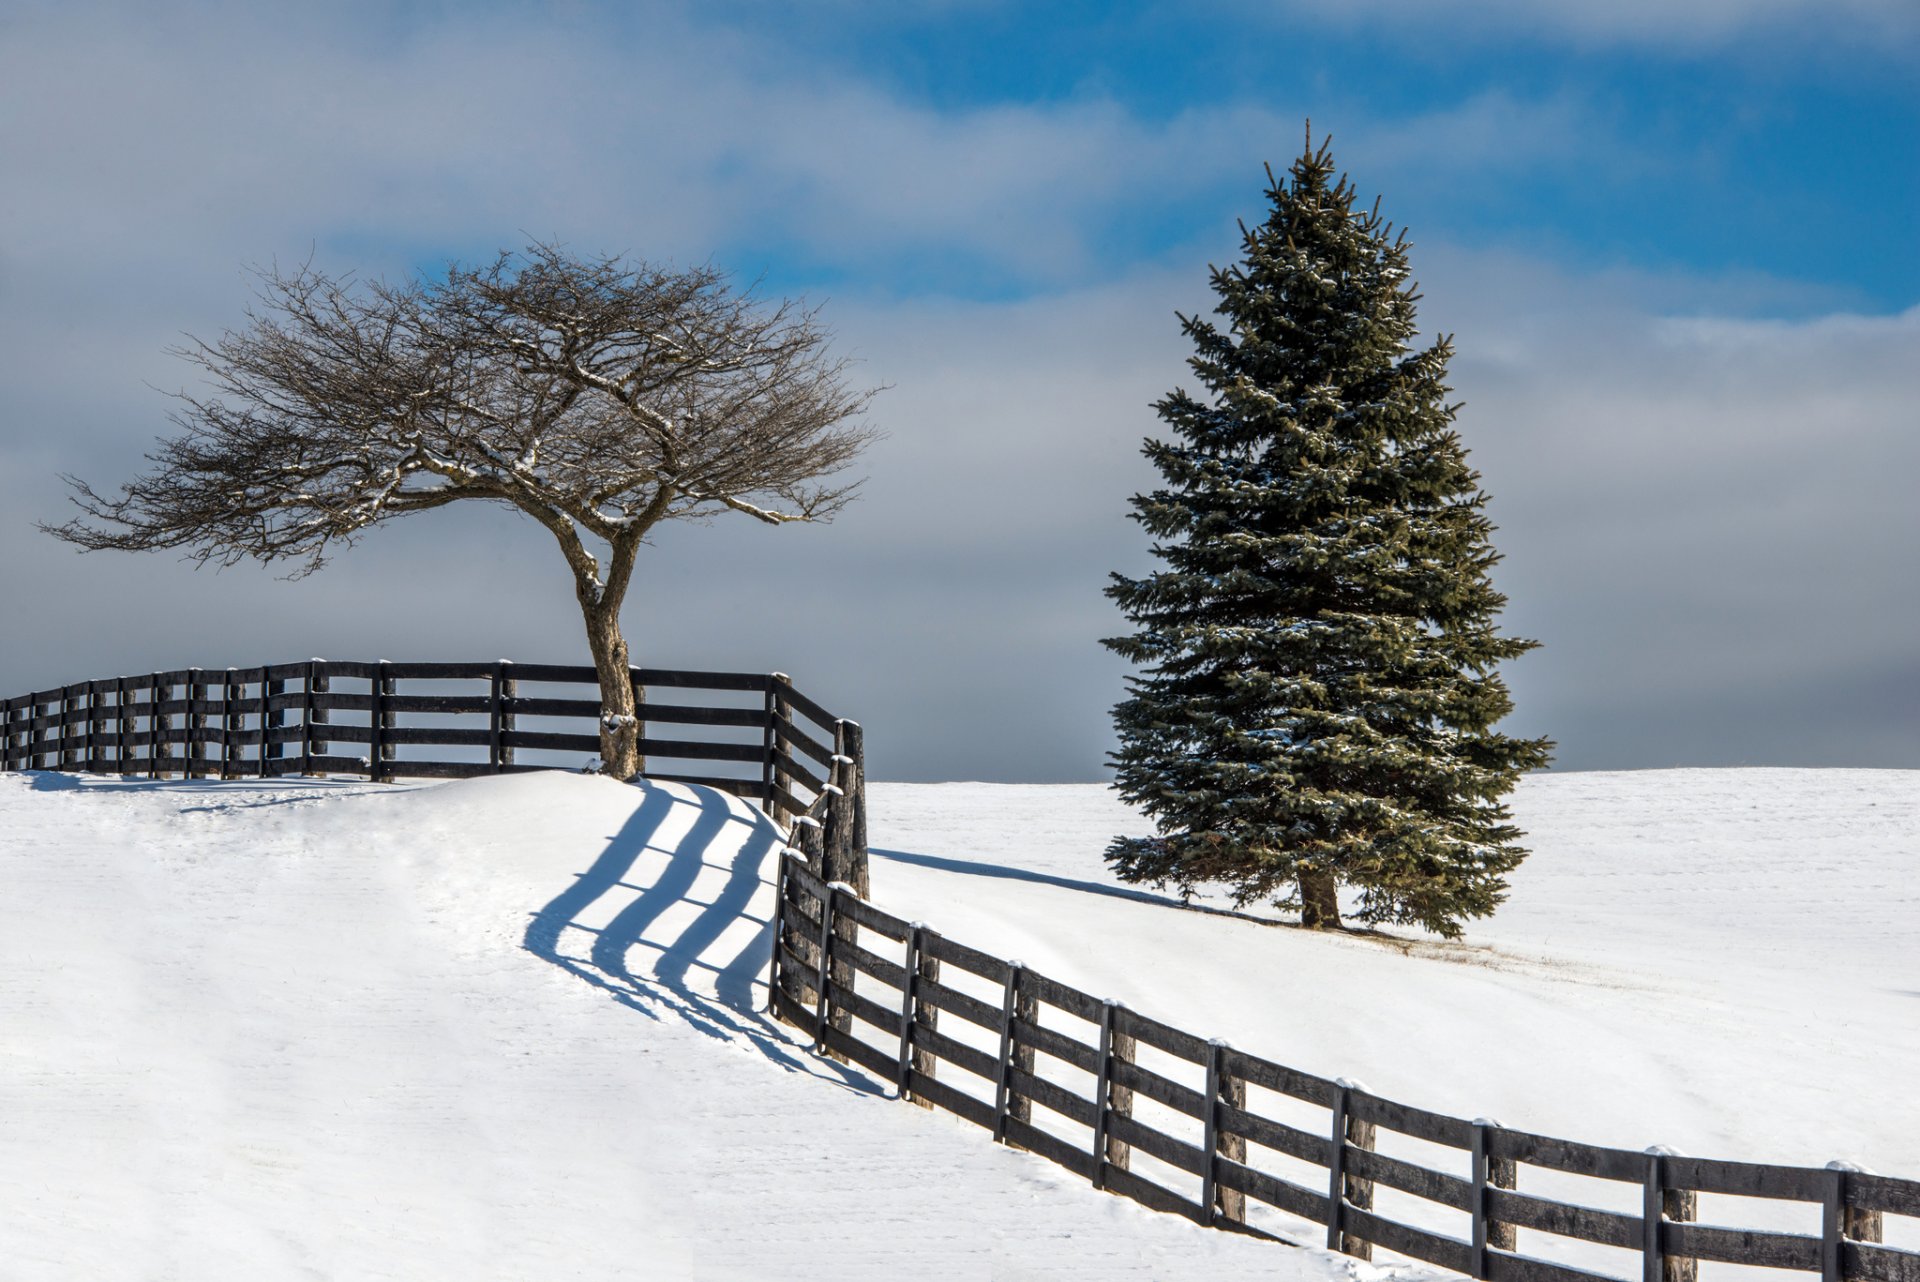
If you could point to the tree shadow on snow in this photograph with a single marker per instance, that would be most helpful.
(681, 968)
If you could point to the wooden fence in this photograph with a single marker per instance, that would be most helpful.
(751, 734)
(1201, 1129)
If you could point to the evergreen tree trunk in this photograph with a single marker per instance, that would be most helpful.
(1319, 900)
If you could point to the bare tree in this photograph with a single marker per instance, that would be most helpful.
(599, 396)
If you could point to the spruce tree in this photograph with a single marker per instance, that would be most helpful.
(1317, 657)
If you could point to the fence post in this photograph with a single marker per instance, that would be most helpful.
(69, 741)
(1210, 1133)
(1841, 1222)
(159, 731)
(378, 721)
(96, 727)
(196, 723)
(925, 1013)
(1233, 1147)
(1659, 1204)
(822, 982)
(1102, 1089)
(1490, 1172)
(639, 716)
(1344, 1190)
(36, 741)
(1003, 1086)
(500, 696)
(271, 719)
(909, 999)
(1120, 1098)
(229, 733)
(779, 711)
(122, 727)
(846, 845)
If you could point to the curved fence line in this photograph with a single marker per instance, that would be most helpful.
(750, 734)
(1201, 1129)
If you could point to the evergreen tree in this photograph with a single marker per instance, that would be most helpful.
(1318, 656)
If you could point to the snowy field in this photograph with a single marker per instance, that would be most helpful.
(508, 1028)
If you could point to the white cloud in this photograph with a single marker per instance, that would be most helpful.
(1695, 24)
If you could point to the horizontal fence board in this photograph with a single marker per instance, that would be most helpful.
(1436, 1128)
(886, 1019)
(1051, 1095)
(938, 1093)
(936, 994)
(874, 919)
(795, 771)
(1271, 1189)
(757, 682)
(1567, 1155)
(1188, 1157)
(887, 972)
(1435, 1186)
(1161, 1036)
(560, 673)
(697, 750)
(1277, 1136)
(1565, 1219)
(526, 707)
(813, 711)
(1740, 1246)
(1434, 1248)
(440, 671)
(802, 878)
(874, 1061)
(1182, 1099)
(440, 703)
(802, 971)
(1505, 1267)
(800, 1015)
(1050, 1041)
(1745, 1179)
(985, 965)
(959, 1054)
(1883, 1193)
(1049, 1146)
(435, 769)
(437, 736)
(789, 736)
(680, 714)
(1068, 999)
(1880, 1263)
(1153, 1196)
(551, 739)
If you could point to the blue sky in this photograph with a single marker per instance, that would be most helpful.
(1675, 242)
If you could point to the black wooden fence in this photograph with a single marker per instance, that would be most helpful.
(893, 997)
(751, 734)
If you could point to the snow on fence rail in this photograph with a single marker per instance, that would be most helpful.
(1202, 1129)
(751, 734)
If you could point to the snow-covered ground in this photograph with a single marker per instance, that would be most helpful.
(508, 1028)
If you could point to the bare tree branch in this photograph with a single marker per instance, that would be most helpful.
(600, 396)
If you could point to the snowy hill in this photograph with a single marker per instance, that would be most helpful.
(508, 1028)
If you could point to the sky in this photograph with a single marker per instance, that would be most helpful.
(1676, 246)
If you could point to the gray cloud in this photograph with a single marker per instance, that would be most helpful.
(1705, 517)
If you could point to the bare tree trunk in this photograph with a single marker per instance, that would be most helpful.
(1319, 900)
(619, 722)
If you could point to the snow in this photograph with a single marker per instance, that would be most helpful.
(509, 1027)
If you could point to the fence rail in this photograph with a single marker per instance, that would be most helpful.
(750, 734)
(893, 997)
